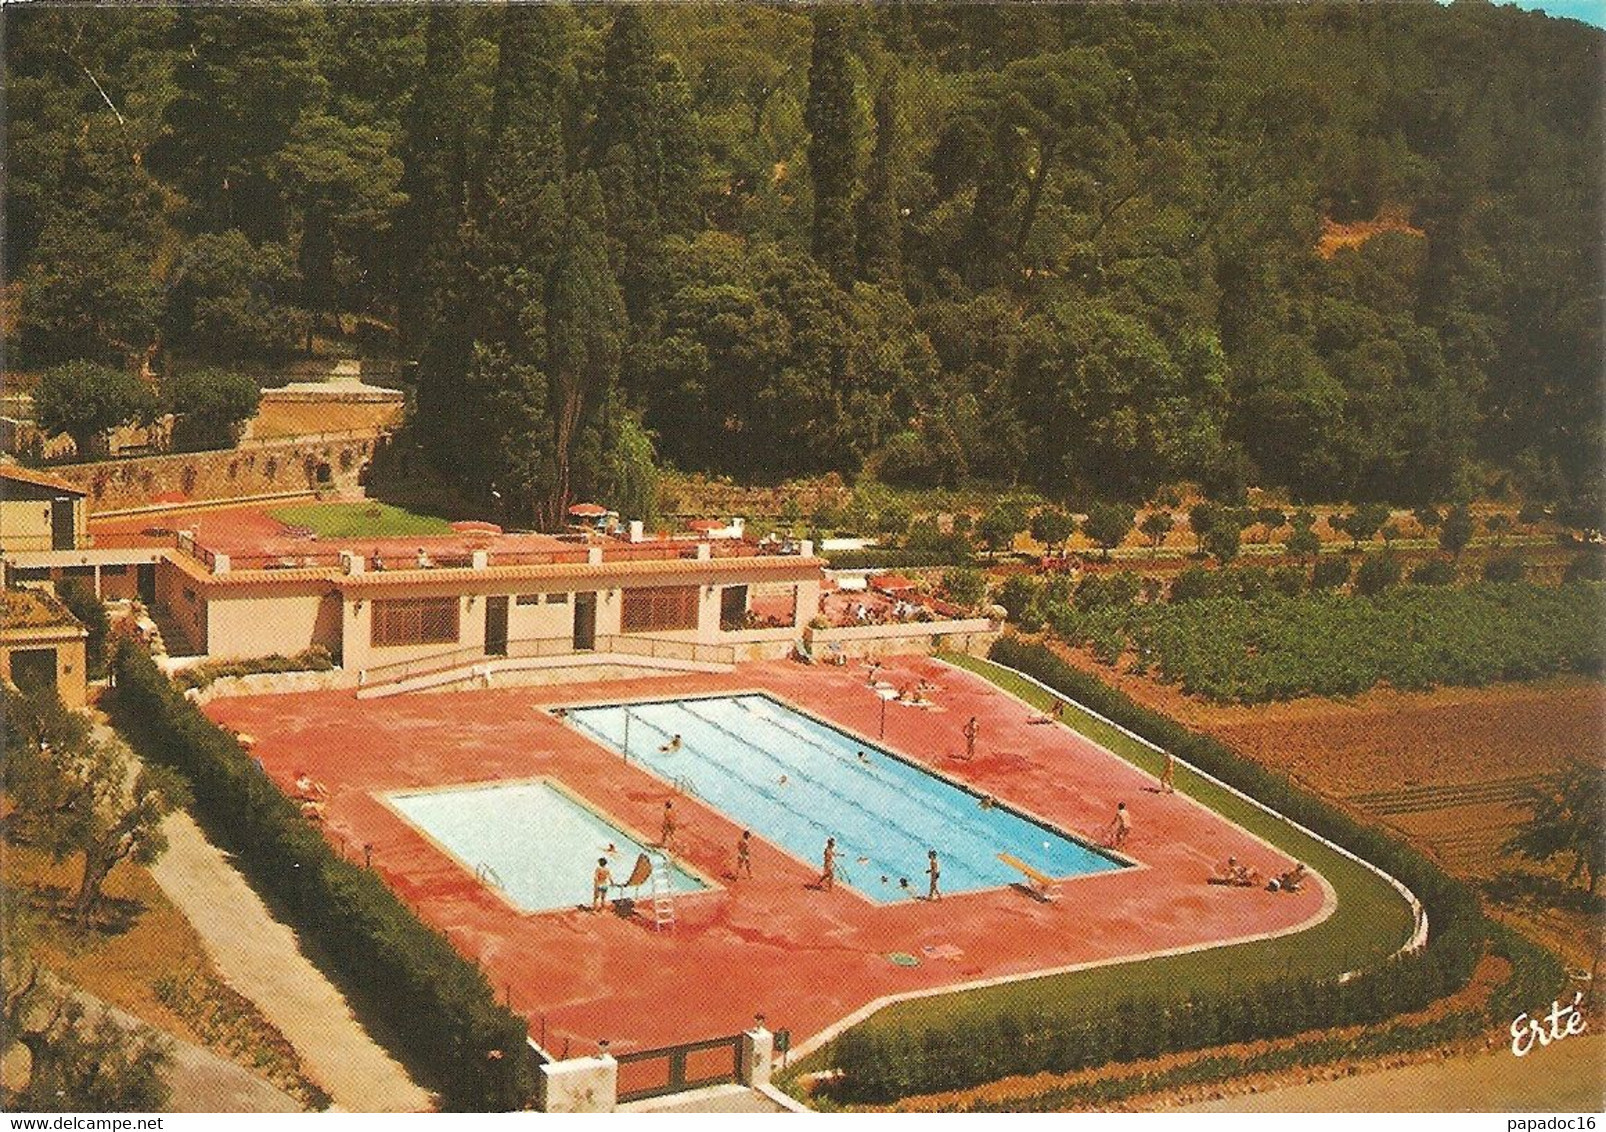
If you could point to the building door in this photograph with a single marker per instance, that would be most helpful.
(63, 533)
(496, 626)
(585, 622)
(733, 608)
(145, 573)
(34, 670)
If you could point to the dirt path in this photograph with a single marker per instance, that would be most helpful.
(262, 959)
(200, 1080)
(1567, 1077)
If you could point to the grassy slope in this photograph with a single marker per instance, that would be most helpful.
(1371, 922)
(361, 520)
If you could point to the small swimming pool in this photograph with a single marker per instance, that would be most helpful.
(795, 781)
(533, 841)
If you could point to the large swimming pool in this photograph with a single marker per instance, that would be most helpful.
(795, 781)
(531, 840)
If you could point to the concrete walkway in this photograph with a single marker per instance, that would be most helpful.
(1566, 1077)
(716, 1098)
(262, 959)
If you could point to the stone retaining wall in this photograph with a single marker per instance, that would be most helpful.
(974, 636)
(273, 468)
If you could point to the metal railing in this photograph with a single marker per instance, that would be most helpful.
(665, 648)
(537, 647)
(418, 666)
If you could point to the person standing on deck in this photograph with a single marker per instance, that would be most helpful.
(1121, 827)
(972, 729)
(1168, 776)
(600, 882)
(744, 854)
(934, 871)
(666, 835)
(828, 872)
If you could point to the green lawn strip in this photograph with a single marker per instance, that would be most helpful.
(360, 520)
(1371, 922)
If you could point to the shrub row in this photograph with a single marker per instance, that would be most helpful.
(878, 1066)
(441, 1007)
(315, 659)
(1535, 976)
(889, 558)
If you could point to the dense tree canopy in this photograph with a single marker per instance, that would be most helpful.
(1349, 251)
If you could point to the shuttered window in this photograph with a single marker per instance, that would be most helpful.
(658, 609)
(415, 621)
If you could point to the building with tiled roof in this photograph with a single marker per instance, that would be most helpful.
(42, 645)
(39, 511)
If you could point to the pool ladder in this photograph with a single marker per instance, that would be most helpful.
(487, 875)
(662, 891)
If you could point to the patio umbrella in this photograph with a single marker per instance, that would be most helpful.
(588, 510)
(705, 525)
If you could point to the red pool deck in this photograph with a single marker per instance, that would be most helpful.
(804, 958)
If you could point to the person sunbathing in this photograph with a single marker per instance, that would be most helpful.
(1291, 881)
(1234, 874)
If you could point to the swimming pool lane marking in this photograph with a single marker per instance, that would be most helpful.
(934, 808)
(976, 846)
(918, 844)
(786, 808)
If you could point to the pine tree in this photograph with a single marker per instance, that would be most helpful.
(829, 118)
(244, 79)
(880, 222)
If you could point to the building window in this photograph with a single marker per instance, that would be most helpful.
(658, 609)
(414, 621)
(527, 599)
(557, 599)
(114, 571)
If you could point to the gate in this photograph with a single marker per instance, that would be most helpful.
(675, 1069)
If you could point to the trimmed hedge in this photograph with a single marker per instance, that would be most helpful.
(878, 1066)
(315, 659)
(1535, 975)
(440, 1006)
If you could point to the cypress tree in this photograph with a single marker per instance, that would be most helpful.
(585, 336)
(482, 403)
(880, 222)
(434, 151)
(829, 118)
(645, 147)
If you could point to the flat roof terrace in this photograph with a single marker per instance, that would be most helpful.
(771, 944)
(251, 539)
